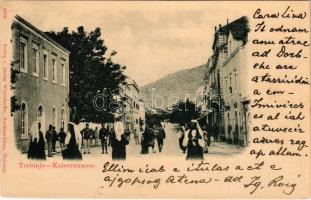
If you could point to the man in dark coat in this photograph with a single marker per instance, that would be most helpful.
(49, 140)
(54, 139)
(104, 136)
(160, 137)
(61, 137)
(87, 137)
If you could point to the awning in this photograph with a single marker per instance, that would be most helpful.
(202, 120)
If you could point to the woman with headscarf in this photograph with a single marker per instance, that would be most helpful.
(193, 141)
(118, 141)
(37, 144)
(72, 140)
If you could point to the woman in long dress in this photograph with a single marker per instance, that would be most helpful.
(36, 148)
(72, 151)
(193, 142)
(118, 141)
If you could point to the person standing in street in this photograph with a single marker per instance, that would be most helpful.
(118, 141)
(160, 137)
(54, 140)
(72, 152)
(136, 137)
(49, 140)
(144, 140)
(104, 136)
(96, 136)
(37, 143)
(87, 137)
(153, 137)
(110, 133)
(62, 137)
(193, 141)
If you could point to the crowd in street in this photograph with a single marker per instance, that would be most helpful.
(74, 143)
(193, 141)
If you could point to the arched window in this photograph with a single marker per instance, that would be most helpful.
(63, 119)
(40, 112)
(24, 120)
(54, 117)
(40, 117)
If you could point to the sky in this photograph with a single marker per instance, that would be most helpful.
(152, 39)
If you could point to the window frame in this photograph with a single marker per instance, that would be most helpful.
(46, 65)
(54, 79)
(54, 115)
(25, 121)
(63, 118)
(41, 118)
(226, 86)
(230, 86)
(35, 65)
(63, 70)
(25, 68)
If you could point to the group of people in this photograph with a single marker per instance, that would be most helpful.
(52, 137)
(194, 141)
(37, 143)
(74, 142)
(150, 136)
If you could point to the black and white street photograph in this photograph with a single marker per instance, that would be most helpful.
(134, 84)
(155, 99)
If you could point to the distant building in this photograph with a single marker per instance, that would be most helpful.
(43, 85)
(142, 116)
(133, 108)
(225, 94)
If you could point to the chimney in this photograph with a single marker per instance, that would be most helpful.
(215, 28)
(219, 26)
(227, 21)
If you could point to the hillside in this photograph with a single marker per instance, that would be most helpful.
(179, 85)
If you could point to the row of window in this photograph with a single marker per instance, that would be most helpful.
(24, 124)
(35, 56)
(228, 89)
(136, 105)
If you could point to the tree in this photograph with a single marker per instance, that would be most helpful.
(91, 73)
(184, 112)
(14, 77)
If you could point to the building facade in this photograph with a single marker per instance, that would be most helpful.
(225, 96)
(42, 87)
(236, 99)
(133, 115)
(133, 109)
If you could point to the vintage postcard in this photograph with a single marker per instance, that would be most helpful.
(155, 99)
